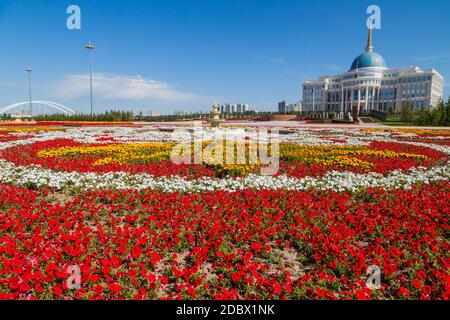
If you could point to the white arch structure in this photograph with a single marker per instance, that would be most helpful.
(54, 105)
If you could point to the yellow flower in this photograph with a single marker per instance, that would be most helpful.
(117, 153)
(31, 129)
(342, 156)
(222, 161)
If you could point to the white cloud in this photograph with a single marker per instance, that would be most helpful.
(120, 87)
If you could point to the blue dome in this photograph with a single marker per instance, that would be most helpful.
(368, 59)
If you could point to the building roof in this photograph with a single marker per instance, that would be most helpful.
(368, 59)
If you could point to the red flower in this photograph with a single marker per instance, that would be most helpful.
(362, 295)
(115, 288)
(320, 293)
(403, 291)
(164, 279)
(257, 246)
(426, 290)
(277, 289)
(57, 291)
(421, 275)
(98, 289)
(417, 284)
(191, 292)
(236, 276)
(446, 295)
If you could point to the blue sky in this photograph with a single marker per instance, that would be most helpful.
(166, 54)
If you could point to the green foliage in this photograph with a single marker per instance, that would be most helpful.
(447, 112)
(108, 116)
(407, 113)
(438, 116)
(424, 117)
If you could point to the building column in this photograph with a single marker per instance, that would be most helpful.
(370, 102)
(377, 100)
(372, 99)
(352, 91)
(359, 101)
(374, 92)
(367, 99)
(348, 100)
(343, 100)
(314, 99)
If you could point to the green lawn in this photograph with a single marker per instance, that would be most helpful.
(392, 123)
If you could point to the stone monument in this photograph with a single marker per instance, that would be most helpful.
(215, 116)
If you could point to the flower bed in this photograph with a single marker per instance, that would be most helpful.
(106, 154)
(251, 244)
(110, 201)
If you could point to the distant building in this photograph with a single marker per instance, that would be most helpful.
(239, 108)
(370, 85)
(295, 107)
(179, 113)
(283, 107)
(152, 113)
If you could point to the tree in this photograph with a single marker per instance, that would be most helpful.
(439, 114)
(424, 116)
(447, 113)
(407, 113)
(107, 116)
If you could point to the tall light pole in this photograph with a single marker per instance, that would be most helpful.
(29, 70)
(90, 47)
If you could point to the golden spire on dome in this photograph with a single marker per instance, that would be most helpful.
(369, 47)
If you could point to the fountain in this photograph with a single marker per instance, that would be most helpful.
(215, 116)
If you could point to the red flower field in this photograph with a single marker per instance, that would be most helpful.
(76, 208)
(249, 244)
(29, 155)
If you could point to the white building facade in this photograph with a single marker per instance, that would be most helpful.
(284, 107)
(295, 107)
(370, 85)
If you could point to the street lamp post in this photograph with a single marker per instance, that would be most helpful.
(29, 70)
(90, 47)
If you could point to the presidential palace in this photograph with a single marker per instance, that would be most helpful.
(370, 85)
